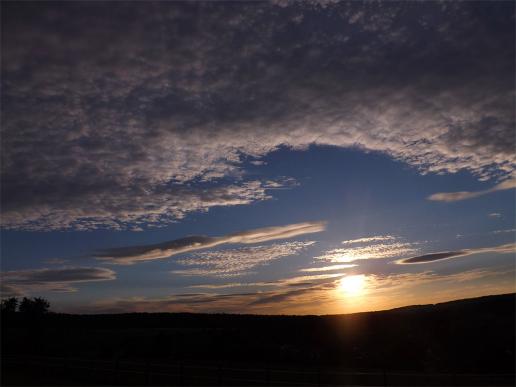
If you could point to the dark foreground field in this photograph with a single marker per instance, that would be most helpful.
(466, 342)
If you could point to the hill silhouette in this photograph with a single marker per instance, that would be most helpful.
(471, 336)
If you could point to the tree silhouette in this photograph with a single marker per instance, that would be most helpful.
(35, 306)
(9, 305)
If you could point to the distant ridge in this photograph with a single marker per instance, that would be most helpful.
(487, 298)
(445, 303)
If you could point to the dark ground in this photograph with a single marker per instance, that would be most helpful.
(466, 342)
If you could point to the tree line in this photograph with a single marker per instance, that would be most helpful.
(36, 305)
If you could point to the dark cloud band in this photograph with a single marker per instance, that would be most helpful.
(435, 256)
(60, 280)
(428, 258)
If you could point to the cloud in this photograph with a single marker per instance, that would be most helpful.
(512, 231)
(410, 287)
(426, 258)
(318, 295)
(273, 301)
(115, 127)
(296, 281)
(407, 280)
(327, 268)
(195, 302)
(281, 297)
(494, 215)
(435, 256)
(133, 254)
(57, 280)
(372, 250)
(56, 261)
(237, 262)
(117, 207)
(9, 291)
(311, 279)
(463, 195)
(380, 238)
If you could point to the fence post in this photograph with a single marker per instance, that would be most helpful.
(147, 373)
(65, 366)
(384, 377)
(116, 371)
(93, 371)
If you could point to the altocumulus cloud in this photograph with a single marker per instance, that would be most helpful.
(375, 247)
(432, 257)
(236, 262)
(99, 118)
(59, 280)
(134, 254)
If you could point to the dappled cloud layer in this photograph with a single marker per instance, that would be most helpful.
(237, 262)
(109, 126)
(375, 247)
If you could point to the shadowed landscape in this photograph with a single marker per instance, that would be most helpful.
(465, 342)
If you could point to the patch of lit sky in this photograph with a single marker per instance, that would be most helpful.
(359, 194)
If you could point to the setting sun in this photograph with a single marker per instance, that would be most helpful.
(352, 285)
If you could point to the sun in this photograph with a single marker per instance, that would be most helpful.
(352, 285)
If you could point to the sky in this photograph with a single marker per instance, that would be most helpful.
(281, 157)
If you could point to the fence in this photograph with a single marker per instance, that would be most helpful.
(50, 370)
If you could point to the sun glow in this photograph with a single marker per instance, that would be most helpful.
(352, 285)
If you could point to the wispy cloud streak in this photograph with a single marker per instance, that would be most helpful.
(58, 280)
(463, 195)
(327, 268)
(134, 254)
(432, 257)
(380, 238)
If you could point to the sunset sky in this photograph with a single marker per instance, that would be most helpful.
(284, 157)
